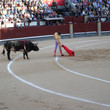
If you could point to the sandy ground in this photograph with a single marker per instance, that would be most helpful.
(45, 82)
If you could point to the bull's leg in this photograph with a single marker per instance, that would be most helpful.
(25, 53)
(8, 55)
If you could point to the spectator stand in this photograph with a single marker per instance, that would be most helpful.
(54, 20)
(22, 24)
(100, 18)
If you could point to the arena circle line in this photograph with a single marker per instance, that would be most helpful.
(81, 74)
(50, 91)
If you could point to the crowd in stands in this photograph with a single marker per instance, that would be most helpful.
(92, 8)
(18, 10)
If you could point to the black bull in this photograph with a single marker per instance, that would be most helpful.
(23, 45)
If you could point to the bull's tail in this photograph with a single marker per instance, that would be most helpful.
(3, 52)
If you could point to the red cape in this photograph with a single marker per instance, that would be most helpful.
(70, 52)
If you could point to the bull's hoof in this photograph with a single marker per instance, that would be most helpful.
(62, 55)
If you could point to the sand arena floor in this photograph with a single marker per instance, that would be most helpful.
(45, 82)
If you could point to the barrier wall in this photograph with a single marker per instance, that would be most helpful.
(8, 33)
(28, 31)
(0, 34)
(73, 19)
(87, 27)
(105, 26)
(66, 20)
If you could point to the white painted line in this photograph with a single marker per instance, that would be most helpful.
(81, 74)
(50, 91)
(93, 44)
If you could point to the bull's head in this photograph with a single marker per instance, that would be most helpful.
(36, 48)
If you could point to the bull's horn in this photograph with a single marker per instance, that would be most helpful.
(36, 44)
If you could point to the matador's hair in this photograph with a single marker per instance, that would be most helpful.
(59, 33)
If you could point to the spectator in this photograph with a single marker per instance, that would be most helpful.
(54, 5)
(83, 12)
(17, 10)
(2, 22)
(94, 3)
(108, 1)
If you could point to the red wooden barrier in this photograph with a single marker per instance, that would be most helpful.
(68, 19)
(73, 19)
(105, 26)
(0, 34)
(81, 27)
(8, 33)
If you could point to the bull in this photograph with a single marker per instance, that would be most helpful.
(23, 45)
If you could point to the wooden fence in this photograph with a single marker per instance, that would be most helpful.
(28, 31)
